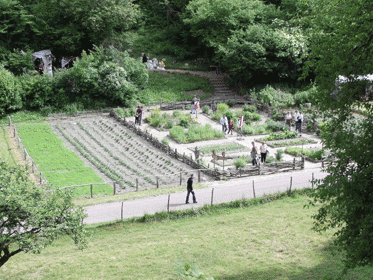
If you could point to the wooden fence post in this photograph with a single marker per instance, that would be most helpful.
(199, 176)
(25, 153)
(41, 180)
(121, 212)
(91, 191)
(10, 122)
(115, 188)
(294, 164)
(137, 184)
(168, 204)
(176, 153)
(253, 189)
(33, 167)
(312, 179)
(14, 132)
(291, 183)
(212, 196)
(157, 182)
(302, 163)
(181, 178)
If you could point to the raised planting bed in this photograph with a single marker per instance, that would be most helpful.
(285, 143)
(224, 147)
(195, 133)
(279, 136)
(120, 155)
(163, 121)
(311, 155)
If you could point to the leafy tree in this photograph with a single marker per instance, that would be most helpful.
(10, 98)
(32, 217)
(343, 45)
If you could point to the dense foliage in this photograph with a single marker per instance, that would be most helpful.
(31, 217)
(343, 45)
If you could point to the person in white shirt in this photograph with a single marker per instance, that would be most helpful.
(263, 152)
(288, 119)
(223, 123)
(226, 123)
(295, 116)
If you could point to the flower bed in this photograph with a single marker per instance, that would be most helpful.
(227, 147)
(280, 136)
(291, 143)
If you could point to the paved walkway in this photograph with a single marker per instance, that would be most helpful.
(217, 192)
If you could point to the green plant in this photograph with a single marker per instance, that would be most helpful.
(231, 103)
(205, 109)
(249, 108)
(276, 97)
(277, 115)
(240, 163)
(270, 159)
(165, 141)
(176, 113)
(281, 135)
(279, 154)
(222, 107)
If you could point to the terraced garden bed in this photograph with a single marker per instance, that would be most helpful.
(120, 155)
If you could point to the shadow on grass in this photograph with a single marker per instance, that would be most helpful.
(330, 269)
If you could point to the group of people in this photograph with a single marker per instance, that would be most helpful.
(298, 120)
(227, 126)
(263, 153)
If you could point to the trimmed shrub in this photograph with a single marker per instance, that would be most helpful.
(240, 163)
(10, 98)
(222, 107)
(249, 108)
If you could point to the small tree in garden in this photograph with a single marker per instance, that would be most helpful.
(32, 217)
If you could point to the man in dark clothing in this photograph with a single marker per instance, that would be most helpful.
(139, 115)
(190, 190)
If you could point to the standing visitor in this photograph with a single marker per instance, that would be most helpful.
(253, 154)
(300, 121)
(240, 125)
(263, 153)
(139, 115)
(190, 190)
(295, 116)
(288, 119)
(223, 124)
(230, 126)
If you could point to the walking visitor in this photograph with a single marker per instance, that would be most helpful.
(263, 153)
(138, 116)
(288, 119)
(230, 126)
(253, 154)
(223, 123)
(190, 190)
(299, 122)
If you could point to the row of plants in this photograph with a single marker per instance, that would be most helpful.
(248, 112)
(280, 135)
(137, 155)
(228, 147)
(292, 143)
(60, 166)
(195, 133)
(167, 121)
(312, 154)
(269, 126)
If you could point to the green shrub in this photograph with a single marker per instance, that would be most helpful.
(46, 111)
(222, 107)
(275, 97)
(231, 103)
(276, 126)
(176, 113)
(240, 163)
(277, 115)
(229, 114)
(10, 98)
(281, 135)
(270, 159)
(165, 141)
(205, 109)
(249, 108)
(279, 154)
(184, 123)
(305, 96)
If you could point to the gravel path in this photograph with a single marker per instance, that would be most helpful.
(223, 191)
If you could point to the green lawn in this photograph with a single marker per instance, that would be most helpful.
(170, 86)
(268, 241)
(6, 153)
(61, 166)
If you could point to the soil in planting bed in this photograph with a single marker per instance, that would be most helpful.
(118, 154)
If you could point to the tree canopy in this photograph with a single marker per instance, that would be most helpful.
(31, 217)
(343, 45)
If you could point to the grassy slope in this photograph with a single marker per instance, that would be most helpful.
(6, 153)
(170, 86)
(270, 241)
(59, 165)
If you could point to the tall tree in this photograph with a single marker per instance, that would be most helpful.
(343, 45)
(32, 217)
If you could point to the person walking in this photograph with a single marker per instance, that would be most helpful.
(190, 190)
(295, 116)
(288, 119)
(138, 118)
(223, 125)
(253, 154)
(230, 126)
(263, 153)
